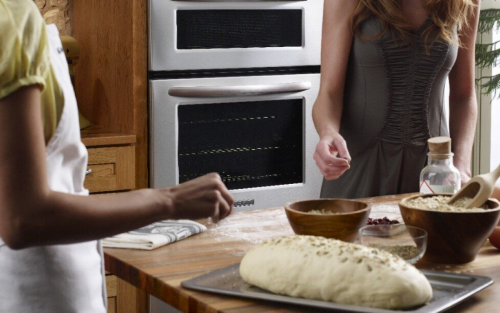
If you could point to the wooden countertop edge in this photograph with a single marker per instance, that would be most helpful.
(149, 283)
(171, 291)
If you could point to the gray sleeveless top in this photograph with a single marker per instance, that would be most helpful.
(393, 102)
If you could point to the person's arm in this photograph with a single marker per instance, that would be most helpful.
(331, 155)
(463, 103)
(31, 214)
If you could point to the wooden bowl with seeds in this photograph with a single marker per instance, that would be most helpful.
(330, 218)
(455, 235)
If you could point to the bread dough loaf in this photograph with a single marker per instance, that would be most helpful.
(332, 270)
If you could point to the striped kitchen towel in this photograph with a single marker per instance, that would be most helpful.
(154, 235)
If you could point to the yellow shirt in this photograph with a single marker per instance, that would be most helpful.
(24, 59)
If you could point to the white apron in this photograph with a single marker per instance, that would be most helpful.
(61, 278)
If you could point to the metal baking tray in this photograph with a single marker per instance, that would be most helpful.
(448, 290)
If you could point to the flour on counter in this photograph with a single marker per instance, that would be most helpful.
(262, 225)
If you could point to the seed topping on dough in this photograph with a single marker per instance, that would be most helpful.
(349, 251)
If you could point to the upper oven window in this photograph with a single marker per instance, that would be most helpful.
(225, 29)
(250, 144)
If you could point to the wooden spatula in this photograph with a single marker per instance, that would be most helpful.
(479, 188)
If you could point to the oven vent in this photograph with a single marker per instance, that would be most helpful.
(227, 29)
(241, 203)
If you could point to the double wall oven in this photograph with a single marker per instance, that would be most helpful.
(232, 84)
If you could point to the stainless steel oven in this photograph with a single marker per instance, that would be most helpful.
(255, 131)
(222, 34)
(232, 84)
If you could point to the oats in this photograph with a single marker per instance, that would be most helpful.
(438, 203)
(323, 211)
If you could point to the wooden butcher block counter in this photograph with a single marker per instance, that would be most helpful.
(161, 271)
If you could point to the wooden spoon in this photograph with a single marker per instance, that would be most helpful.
(479, 188)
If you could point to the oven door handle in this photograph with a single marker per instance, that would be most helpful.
(237, 91)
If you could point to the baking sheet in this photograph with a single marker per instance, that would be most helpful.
(448, 290)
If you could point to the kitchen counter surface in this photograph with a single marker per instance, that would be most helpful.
(161, 271)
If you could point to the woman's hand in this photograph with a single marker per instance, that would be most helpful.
(464, 170)
(205, 196)
(465, 176)
(332, 156)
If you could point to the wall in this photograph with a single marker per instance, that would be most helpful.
(490, 4)
(495, 118)
(490, 106)
(495, 102)
(59, 12)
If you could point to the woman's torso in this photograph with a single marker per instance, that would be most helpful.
(395, 92)
(393, 102)
(59, 278)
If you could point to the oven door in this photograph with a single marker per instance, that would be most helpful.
(218, 34)
(256, 132)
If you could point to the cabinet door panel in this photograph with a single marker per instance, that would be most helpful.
(111, 169)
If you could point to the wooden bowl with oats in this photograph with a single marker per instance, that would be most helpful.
(455, 234)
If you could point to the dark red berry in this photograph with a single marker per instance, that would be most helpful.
(381, 221)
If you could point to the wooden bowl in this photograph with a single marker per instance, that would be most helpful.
(454, 237)
(351, 216)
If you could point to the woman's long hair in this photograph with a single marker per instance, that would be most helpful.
(445, 14)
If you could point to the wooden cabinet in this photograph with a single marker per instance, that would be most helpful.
(111, 169)
(111, 286)
(111, 89)
(111, 164)
(123, 297)
(111, 75)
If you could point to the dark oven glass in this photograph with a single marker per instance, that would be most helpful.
(250, 144)
(224, 29)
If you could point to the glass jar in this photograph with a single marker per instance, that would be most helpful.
(440, 175)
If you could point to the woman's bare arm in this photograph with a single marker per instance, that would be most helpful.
(463, 103)
(31, 214)
(327, 110)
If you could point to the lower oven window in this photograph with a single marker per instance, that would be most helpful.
(250, 144)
